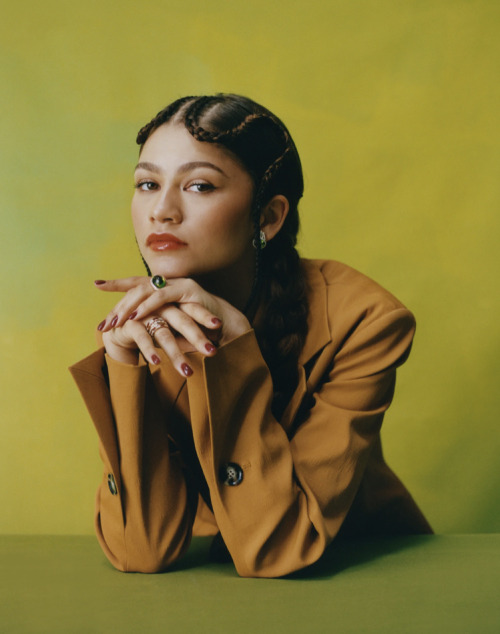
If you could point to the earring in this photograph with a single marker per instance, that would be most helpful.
(263, 241)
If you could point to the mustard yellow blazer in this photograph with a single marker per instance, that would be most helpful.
(207, 453)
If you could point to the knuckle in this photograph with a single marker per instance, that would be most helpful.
(164, 334)
(184, 321)
(177, 358)
(188, 286)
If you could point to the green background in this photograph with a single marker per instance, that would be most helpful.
(394, 108)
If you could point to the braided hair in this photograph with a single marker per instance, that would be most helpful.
(261, 143)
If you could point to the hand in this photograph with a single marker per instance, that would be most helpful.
(196, 320)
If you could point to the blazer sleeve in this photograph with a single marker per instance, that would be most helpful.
(144, 508)
(295, 492)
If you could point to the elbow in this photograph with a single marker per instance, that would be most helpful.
(282, 553)
(136, 552)
(150, 563)
(143, 559)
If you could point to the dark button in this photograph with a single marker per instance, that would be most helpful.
(231, 474)
(112, 484)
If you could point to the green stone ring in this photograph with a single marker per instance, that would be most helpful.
(158, 281)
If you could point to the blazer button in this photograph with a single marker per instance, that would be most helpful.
(231, 474)
(112, 484)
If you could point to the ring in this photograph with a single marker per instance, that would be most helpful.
(154, 325)
(158, 281)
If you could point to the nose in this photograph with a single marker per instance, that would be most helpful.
(167, 208)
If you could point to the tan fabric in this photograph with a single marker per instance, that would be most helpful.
(316, 475)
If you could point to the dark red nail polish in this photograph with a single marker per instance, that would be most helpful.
(101, 325)
(216, 321)
(133, 315)
(155, 359)
(114, 322)
(99, 282)
(209, 347)
(186, 369)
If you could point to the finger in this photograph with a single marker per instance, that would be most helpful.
(154, 301)
(126, 307)
(188, 329)
(202, 315)
(165, 339)
(132, 336)
(177, 291)
(143, 341)
(121, 285)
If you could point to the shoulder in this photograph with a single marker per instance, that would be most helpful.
(343, 301)
(345, 283)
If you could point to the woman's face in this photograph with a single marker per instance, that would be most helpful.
(191, 208)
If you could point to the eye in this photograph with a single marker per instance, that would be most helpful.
(146, 186)
(200, 187)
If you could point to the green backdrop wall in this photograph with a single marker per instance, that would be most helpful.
(394, 107)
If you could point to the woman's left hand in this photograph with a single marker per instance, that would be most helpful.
(183, 303)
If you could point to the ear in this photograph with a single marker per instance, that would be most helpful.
(273, 215)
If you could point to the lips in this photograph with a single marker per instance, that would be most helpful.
(164, 242)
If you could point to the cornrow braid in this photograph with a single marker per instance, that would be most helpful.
(201, 134)
(268, 177)
(279, 282)
(162, 117)
(258, 206)
(251, 118)
(192, 116)
(281, 322)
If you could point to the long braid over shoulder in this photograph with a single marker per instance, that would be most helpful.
(261, 143)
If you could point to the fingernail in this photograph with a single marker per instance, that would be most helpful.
(133, 315)
(114, 322)
(101, 325)
(186, 369)
(155, 359)
(216, 321)
(99, 282)
(209, 347)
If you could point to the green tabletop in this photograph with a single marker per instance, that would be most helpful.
(445, 584)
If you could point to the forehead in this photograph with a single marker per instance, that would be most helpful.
(172, 145)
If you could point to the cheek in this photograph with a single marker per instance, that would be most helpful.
(136, 217)
(233, 231)
(233, 222)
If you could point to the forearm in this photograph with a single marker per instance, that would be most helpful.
(269, 524)
(295, 492)
(129, 356)
(144, 508)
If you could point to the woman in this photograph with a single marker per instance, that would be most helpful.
(240, 391)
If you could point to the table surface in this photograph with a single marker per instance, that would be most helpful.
(447, 584)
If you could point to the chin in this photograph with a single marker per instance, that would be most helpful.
(169, 271)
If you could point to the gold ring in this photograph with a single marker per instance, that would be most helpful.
(154, 325)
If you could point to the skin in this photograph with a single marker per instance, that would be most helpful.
(200, 194)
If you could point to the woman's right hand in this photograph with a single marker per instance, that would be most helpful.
(124, 343)
(196, 320)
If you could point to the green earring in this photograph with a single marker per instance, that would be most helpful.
(263, 241)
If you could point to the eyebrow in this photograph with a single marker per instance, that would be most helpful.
(186, 167)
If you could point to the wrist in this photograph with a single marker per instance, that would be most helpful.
(119, 353)
(239, 326)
